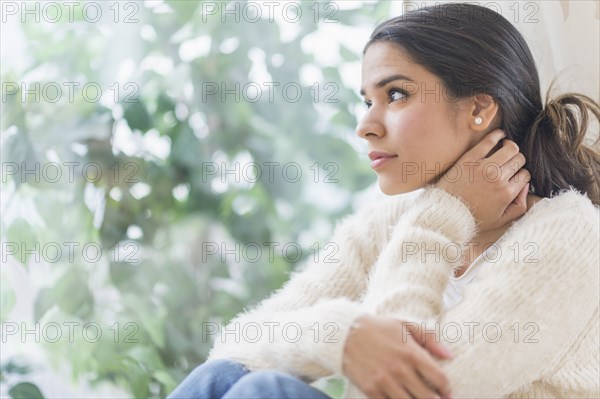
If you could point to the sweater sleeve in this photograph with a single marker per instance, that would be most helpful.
(413, 268)
(302, 327)
(525, 311)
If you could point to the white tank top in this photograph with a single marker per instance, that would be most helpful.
(456, 285)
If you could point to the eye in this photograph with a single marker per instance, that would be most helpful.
(367, 104)
(397, 94)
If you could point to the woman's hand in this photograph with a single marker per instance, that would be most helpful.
(494, 187)
(383, 358)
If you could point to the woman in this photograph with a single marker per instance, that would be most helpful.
(496, 259)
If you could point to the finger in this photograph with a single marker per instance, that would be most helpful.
(425, 364)
(427, 340)
(518, 207)
(436, 348)
(503, 155)
(396, 390)
(433, 373)
(377, 393)
(521, 177)
(417, 386)
(518, 185)
(487, 144)
(513, 166)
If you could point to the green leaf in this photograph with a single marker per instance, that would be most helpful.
(164, 103)
(25, 390)
(137, 378)
(73, 294)
(165, 378)
(13, 367)
(22, 240)
(137, 116)
(44, 301)
(146, 357)
(18, 152)
(7, 299)
(334, 386)
(151, 320)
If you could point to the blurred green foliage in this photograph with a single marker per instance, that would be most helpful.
(151, 210)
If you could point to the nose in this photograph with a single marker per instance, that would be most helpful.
(369, 126)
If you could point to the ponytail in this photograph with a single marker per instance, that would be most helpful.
(556, 154)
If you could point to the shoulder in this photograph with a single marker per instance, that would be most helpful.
(571, 209)
(564, 230)
(553, 251)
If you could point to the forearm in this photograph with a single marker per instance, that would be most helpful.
(306, 342)
(414, 267)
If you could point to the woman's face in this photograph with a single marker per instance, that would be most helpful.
(410, 118)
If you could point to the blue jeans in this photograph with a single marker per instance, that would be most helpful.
(227, 379)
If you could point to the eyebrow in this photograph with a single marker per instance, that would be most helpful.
(387, 80)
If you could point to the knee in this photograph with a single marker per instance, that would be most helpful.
(212, 368)
(220, 366)
(273, 384)
(267, 378)
(210, 379)
(263, 384)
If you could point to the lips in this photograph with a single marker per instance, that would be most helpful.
(374, 155)
(379, 158)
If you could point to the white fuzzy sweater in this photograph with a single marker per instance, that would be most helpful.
(527, 328)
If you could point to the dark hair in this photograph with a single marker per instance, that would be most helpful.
(473, 49)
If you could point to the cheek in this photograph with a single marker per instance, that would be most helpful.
(415, 132)
(423, 135)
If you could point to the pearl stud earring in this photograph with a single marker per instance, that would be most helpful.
(478, 120)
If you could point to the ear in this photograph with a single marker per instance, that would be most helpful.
(485, 107)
